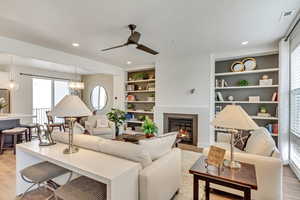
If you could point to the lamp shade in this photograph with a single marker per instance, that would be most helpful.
(234, 117)
(70, 106)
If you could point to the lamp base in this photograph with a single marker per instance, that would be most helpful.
(71, 150)
(232, 164)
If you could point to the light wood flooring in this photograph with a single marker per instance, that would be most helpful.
(291, 185)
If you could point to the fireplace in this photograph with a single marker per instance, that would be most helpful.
(185, 124)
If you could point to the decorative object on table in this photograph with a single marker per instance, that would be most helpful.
(151, 97)
(219, 96)
(243, 83)
(237, 66)
(263, 112)
(3, 104)
(275, 96)
(71, 106)
(130, 87)
(44, 135)
(117, 117)
(149, 128)
(130, 98)
(234, 118)
(254, 99)
(249, 64)
(230, 98)
(265, 80)
(216, 157)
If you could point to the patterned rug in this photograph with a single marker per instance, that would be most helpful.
(186, 190)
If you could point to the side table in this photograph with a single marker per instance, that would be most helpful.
(243, 179)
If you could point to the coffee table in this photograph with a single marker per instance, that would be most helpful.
(243, 179)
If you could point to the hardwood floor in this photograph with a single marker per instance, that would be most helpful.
(291, 185)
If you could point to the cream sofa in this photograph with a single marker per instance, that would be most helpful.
(160, 174)
(105, 130)
(260, 151)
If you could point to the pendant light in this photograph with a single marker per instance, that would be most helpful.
(13, 85)
(76, 85)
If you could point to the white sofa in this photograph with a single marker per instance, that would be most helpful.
(160, 174)
(260, 151)
(99, 125)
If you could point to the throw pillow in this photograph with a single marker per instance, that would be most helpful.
(102, 123)
(260, 142)
(159, 146)
(125, 150)
(240, 139)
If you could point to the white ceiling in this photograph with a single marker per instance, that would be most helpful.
(173, 27)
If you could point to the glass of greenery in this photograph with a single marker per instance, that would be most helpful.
(117, 117)
(149, 128)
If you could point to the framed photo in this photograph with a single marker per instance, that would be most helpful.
(216, 156)
(5, 93)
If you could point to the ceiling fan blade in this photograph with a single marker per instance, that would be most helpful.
(134, 38)
(119, 46)
(146, 49)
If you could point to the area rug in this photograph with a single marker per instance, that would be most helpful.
(186, 190)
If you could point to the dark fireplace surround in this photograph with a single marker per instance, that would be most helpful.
(185, 124)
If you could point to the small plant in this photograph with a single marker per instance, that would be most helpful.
(243, 83)
(149, 127)
(138, 76)
(130, 106)
(141, 117)
(117, 117)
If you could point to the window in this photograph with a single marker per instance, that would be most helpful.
(295, 110)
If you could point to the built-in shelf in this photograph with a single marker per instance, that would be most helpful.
(247, 102)
(141, 81)
(140, 101)
(134, 121)
(264, 118)
(140, 91)
(139, 111)
(247, 72)
(247, 87)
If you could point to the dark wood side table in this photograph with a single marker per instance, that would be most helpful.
(243, 179)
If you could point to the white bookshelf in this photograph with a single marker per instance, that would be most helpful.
(141, 91)
(247, 72)
(141, 81)
(140, 101)
(266, 65)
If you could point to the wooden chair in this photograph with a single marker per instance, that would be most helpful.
(14, 133)
(52, 124)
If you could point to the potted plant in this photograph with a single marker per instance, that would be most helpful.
(149, 128)
(138, 76)
(3, 104)
(117, 117)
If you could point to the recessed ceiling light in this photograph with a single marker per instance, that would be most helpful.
(129, 62)
(245, 43)
(75, 45)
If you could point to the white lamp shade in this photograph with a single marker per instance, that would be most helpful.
(70, 106)
(234, 117)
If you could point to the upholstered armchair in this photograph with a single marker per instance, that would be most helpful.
(99, 125)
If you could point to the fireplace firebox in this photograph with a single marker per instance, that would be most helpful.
(185, 124)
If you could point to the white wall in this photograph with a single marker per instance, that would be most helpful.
(90, 82)
(175, 77)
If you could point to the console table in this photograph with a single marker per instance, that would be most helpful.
(243, 179)
(119, 175)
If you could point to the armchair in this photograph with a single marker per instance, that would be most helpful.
(99, 125)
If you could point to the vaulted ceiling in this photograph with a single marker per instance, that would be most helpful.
(173, 27)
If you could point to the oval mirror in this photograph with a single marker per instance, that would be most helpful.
(98, 97)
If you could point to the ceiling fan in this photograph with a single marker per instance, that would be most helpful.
(133, 40)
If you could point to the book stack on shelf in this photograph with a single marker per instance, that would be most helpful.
(252, 83)
(140, 97)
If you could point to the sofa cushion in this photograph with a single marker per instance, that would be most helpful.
(125, 150)
(240, 139)
(81, 140)
(102, 122)
(159, 146)
(260, 142)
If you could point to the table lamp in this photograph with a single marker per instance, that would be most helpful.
(71, 106)
(234, 118)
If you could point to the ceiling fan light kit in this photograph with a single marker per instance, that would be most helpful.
(134, 40)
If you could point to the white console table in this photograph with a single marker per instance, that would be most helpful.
(119, 175)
